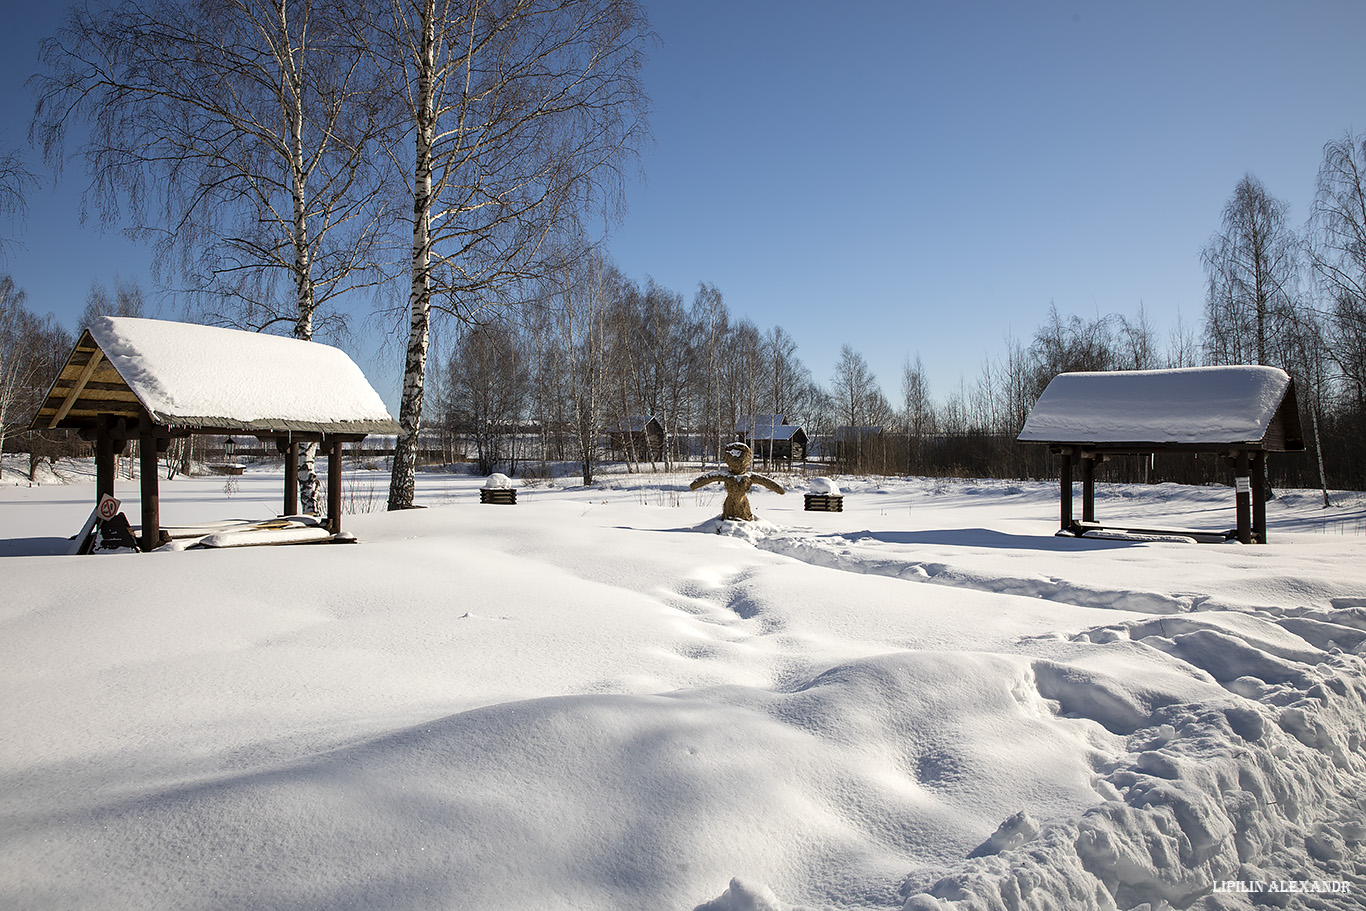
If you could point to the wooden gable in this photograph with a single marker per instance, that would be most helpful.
(87, 387)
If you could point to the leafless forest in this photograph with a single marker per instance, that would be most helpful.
(286, 162)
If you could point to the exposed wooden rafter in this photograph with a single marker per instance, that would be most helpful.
(76, 390)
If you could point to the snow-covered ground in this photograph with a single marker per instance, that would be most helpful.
(590, 700)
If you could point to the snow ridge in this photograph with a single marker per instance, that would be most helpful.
(837, 552)
(1260, 792)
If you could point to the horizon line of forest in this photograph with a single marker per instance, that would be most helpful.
(282, 159)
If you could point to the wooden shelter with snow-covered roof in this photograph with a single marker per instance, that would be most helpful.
(637, 437)
(771, 438)
(155, 380)
(1239, 412)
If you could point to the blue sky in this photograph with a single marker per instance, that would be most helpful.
(907, 177)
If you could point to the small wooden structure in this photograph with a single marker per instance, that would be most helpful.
(823, 502)
(1239, 412)
(639, 437)
(825, 496)
(770, 437)
(154, 380)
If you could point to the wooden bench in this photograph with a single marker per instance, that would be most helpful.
(1201, 536)
(499, 496)
(824, 502)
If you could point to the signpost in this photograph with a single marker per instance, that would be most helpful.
(106, 509)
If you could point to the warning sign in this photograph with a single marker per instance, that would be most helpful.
(108, 508)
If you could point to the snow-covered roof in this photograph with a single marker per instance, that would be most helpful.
(759, 424)
(194, 377)
(766, 427)
(1193, 406)
(781, 432)
(636, 423)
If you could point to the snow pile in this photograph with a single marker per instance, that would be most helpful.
(498, 481)
(1258, 789)
(825, 486)
(586, 704)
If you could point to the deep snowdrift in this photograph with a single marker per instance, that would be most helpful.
(593, 700)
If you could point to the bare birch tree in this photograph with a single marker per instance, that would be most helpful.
(15, 181)
(522, 113)
(15, 365)
(917, 410)
(584, 289)
(236, 136)
(1251, 266)
(488, 384)
(32, 351)
(1337, 253)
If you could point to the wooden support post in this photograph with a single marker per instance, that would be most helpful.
(292, 478)
(1088, 488)
(1065, 482)
(1259, 496)
(151, 495)
(1242, 486)
(334, 485)
(104, 458)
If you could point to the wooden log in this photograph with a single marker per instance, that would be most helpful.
(1088, 488)
(498, 496)
(1259, 496)
(1242, 486)
(104, 459)
(823, 502)
(1065, 483)
(292, 478)
(151, 494)
(334, 484)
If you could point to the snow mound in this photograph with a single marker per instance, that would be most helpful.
(497, 481)
(753, 531)
(1257, 793)
(825, 486)
(744, 896)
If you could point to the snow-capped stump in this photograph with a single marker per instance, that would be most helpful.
(825, 496)
(498, 490)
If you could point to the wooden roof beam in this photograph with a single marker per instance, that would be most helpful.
(86, 372)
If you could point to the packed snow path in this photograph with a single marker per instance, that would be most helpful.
(592, 700)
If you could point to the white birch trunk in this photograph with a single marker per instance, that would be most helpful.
(292, 110)
(402, 480)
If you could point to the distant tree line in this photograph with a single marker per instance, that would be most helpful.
(283, 156)
(594, 350)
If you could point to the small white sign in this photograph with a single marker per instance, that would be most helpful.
(108, 508)
(1243, 485)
